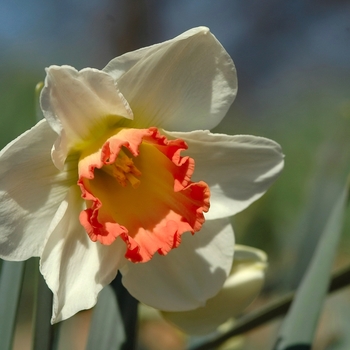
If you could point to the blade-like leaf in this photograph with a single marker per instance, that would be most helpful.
(10, 289)
(106, 330)
(128, 308)
(298, 329)
(42, 329)
(274, 309)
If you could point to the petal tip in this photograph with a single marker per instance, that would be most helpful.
(204, 30)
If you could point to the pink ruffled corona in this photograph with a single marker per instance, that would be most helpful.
(138, 186)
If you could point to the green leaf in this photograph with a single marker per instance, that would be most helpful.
(11, 279)
(272, 310)
(42, 328)
(298, 328)
(107, 324)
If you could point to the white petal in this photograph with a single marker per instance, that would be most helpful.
(187, 276)
(239, 169)
(80, 106)
(121, 64)
(31, 190)
(74, 267)
(183, 84)
(240, 289)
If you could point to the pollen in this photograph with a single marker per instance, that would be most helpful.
(124, 170)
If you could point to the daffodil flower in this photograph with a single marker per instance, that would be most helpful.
(122, 174)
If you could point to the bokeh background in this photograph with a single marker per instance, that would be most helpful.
(293, 63)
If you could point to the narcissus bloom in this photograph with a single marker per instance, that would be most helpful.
(122, 171)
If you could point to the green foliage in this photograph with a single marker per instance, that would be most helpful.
(106, 325)
(43, 337)
(300, 324)
(17, 102)
(10, 289)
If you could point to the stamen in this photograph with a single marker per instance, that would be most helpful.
(124, 170)
(135, 182)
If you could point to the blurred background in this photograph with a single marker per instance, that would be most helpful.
(293, 64)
